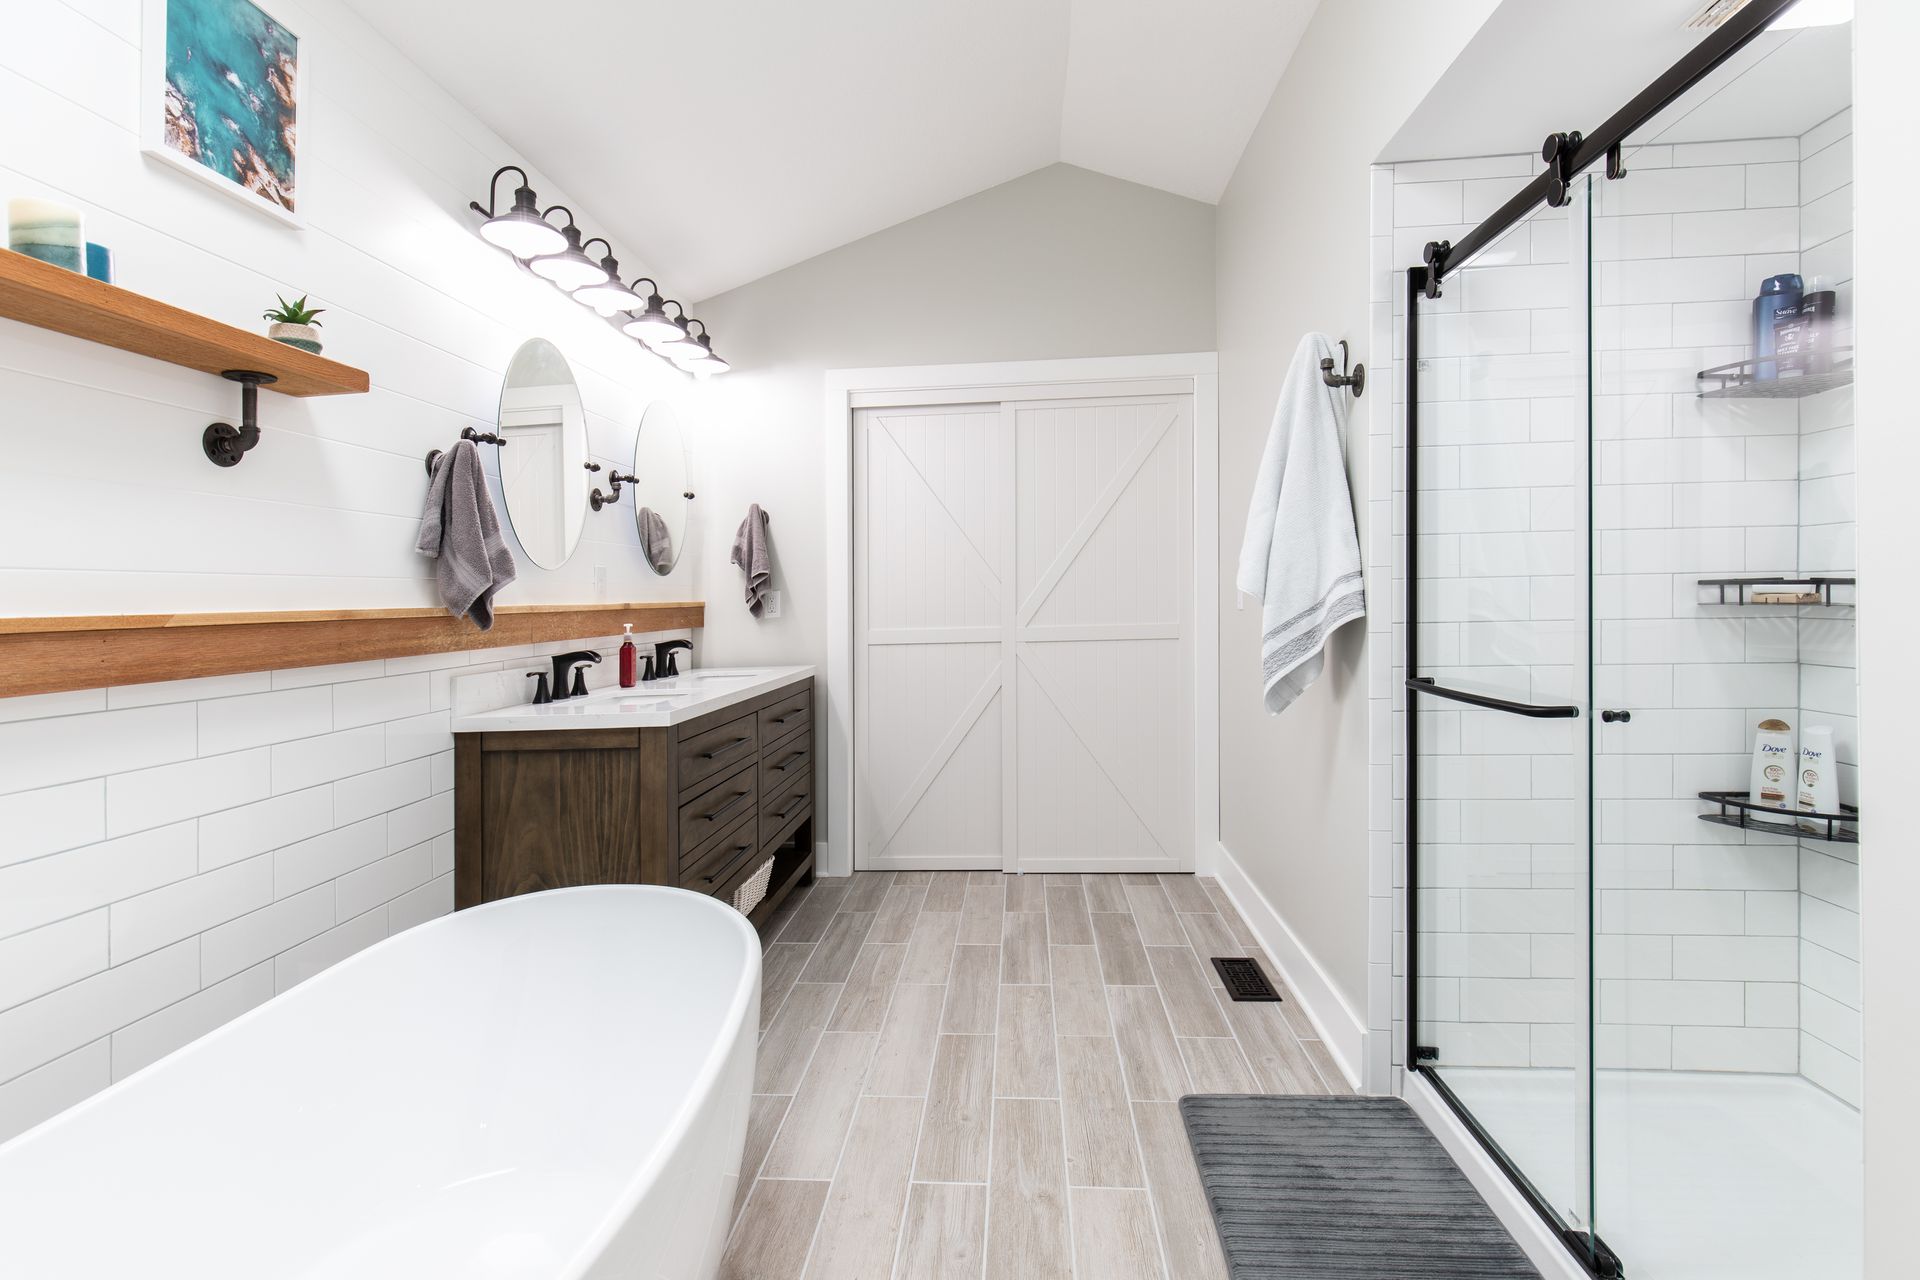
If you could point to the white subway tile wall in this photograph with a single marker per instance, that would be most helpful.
(155, 881)
(1716, 950)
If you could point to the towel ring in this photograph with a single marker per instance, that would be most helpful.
(1356, 380)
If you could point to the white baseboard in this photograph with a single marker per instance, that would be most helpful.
(1535, 1238)
(1341, 1030)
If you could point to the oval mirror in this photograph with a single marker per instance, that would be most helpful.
(661, 493)
(543, 457)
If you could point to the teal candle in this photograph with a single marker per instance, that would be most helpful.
(47, 231)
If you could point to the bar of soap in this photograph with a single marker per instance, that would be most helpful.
(47, 231)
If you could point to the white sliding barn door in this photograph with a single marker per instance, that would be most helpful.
(1023, 621)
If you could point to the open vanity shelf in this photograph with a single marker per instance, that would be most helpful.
(1736, 810)
(37, 293)
(1743, 589)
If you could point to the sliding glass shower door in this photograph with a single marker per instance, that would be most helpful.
(1498, 691)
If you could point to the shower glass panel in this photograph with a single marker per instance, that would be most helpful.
(1499, 664)
(1726, 1140)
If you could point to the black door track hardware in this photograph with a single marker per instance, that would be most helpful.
(224, 443)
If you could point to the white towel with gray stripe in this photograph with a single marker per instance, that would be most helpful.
(1301, 556)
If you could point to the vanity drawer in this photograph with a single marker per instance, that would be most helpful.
(779, 813)
(712, 752)
(710, 867)
(717, 809)
(786, 760)
(778, 719)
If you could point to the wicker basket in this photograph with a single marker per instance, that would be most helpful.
(748, 895)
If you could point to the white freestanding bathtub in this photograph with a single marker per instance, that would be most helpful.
(553, 1085)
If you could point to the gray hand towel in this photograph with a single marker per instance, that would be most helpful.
(460, 530)
(655, 542)
(751, 554)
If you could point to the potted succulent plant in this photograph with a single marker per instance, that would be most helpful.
(293, 323)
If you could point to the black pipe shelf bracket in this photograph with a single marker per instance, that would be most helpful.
(467, 433)
(1357, 379)
(224, 443)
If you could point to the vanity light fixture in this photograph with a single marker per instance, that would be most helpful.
(609, 295)
(685, 347)
(521, 231)
(570, 268)
(651, 323)
(706, 363)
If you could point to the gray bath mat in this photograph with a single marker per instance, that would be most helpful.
(1314, 1187)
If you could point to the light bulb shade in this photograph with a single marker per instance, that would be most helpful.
(522, 233)
(607, 297)
(571, 268)
(714, 364)
(654, 327)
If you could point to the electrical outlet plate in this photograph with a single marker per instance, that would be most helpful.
(770, 605)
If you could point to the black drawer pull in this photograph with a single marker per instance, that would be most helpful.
(739, 848)
(782, 766)
(729, 807)
(720, 751)
(783, 719)
(790, 810)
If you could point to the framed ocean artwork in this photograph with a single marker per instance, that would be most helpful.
(223, 88)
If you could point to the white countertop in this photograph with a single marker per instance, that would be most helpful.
(647, 706)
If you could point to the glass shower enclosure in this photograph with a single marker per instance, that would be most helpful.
(1628, 488)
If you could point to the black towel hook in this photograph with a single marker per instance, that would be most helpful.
(1357, 379)
(467, 433)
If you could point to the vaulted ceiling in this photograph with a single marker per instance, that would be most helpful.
(717, 142)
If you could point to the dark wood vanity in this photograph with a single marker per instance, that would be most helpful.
(699, 805)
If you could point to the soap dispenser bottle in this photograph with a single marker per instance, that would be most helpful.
(629, 664)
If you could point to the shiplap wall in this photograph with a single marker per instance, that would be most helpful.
(172, 854)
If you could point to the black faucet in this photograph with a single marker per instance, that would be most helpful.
(564, 662)
(666, 662)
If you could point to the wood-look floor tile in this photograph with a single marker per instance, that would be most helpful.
(780, 967)
(1139, 877)
(1330, 1074)
(1027, 1197)
(973, 988)
(789, 1042)
(783, 915)
(1186, 893)
(1079, 996)
(905, 1054)
(980, 917)
(1024, 1066)
(1113, 1235)
(809, 923)
(955, 1130)
(893, 922)
(869, 988)
(1023, 940)
(1105, 893)
(809, 1142)
(946, 1232)
(1026, 893)
(1290, 1007)
(764, 1114)
(860, 1226)
(1067, 922)
(1224, 905)
(775, 1231)
(913, 877)
(1158, 925)
(1180, 1204)
(1154, 1069)
(868, 891)
(1062, 877)
(1123, 961)
(1217, 1065)
(1209, 938)
(833, 959)
(1279, 1064)
(1188, 996)
(1099, 1128)
(930, 948)
(947, 892)
(984, 878)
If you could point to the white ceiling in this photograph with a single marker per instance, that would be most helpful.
(718, 142)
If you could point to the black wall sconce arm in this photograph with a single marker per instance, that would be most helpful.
(224, 443)
(1357, 379)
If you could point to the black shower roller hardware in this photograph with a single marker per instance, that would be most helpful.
(1356, 379)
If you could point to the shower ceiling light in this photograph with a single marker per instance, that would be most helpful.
(521, 231)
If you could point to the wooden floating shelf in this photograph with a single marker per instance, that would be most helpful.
(53, 655)
(38, 293)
